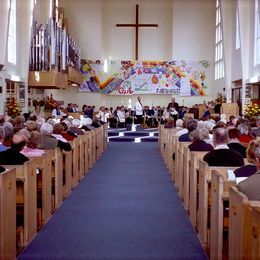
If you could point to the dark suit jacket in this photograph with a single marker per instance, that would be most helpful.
(11, 156)
(185, 138)
(2, 169)
(238, 148)
(224, 157)
(200, 145)
(245, 171)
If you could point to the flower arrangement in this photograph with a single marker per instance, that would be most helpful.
(50, 103)
(252, 110)
(221, 98)
(38, 102)
(13, 108)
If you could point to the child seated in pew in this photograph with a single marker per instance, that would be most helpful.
(250, 186)
(13, 155)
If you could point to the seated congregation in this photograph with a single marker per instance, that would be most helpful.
(41, 162)
(214, 163)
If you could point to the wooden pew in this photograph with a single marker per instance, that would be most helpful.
(99, 141)
(180, 170)
(26, 174)
(81, 151)
(242, 229)
(171, 149)
(8, 214)
(86, 147)
(43, 163)
(90, 147)
(94, 144)
(67, 173)
(193, 172)
(205, 172)
(105, 134)
(75, 161)
(186, 176)
(255, 233)
(218, 221)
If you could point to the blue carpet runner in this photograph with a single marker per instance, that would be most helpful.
(125, 208)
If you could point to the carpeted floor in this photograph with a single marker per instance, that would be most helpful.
(126, 208)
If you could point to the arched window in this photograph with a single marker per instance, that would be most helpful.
(11, 49)
(237, 30)
(219, 54)
(257, 32)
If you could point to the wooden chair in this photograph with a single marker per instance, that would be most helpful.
(8, 214)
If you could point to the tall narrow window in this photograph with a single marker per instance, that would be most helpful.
(11, 53)
(219, 60)
(237, 31)
(257, 32)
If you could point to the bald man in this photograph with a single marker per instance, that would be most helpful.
(13, 155)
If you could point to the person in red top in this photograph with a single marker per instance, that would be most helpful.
(246, 136)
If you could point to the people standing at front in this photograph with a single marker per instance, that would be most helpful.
(139, 110)
(173, 108)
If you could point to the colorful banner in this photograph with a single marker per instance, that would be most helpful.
(184, 78)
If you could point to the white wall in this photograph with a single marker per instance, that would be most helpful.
(154, 43)
(186, 31)
(84, 25)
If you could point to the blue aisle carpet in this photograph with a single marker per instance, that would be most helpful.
(125, 208)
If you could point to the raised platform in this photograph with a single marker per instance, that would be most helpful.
(136, 135)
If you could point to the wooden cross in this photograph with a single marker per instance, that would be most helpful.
(136, 25)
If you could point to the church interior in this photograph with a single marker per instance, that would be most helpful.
(104, 106)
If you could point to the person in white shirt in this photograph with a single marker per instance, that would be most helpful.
(57, 113)
(121, 115)
(139, 111)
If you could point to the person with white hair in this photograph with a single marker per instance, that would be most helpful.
(49, 142)
(40, 121)
(182, 128)
(85, 124)
(198, 143)
(8, 131)
(75, 127)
